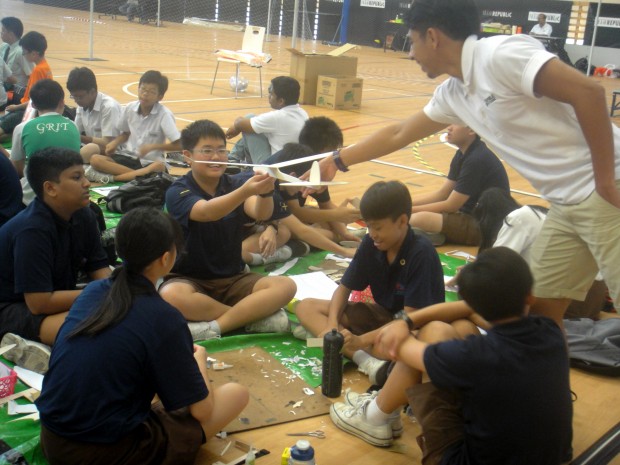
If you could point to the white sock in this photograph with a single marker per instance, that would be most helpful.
(257, 259)
(359, 357)
(375, 415)
(215, 326)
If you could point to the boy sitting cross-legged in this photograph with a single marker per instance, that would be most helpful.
(42, 250)
(403, 272)
(500, 398)
(209, 284)
(145, 126)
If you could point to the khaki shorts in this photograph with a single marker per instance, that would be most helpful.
(167, 438)
(228, 291)
(460, 228)
(576, 241)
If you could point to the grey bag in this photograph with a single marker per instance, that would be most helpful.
(594, 345)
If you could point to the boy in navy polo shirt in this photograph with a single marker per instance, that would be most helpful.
(403, 272)
(209, 285)
(500, 398)
(42, 249)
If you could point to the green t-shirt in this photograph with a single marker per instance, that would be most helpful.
(50, 131)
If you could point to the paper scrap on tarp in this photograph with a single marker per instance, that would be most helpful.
(284, 268)
(19, 409)
(104, 191)
(316, 285)
(30, 378)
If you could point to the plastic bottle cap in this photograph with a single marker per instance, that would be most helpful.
(303, 444)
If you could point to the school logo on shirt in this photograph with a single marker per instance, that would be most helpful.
(399, 289)
(489, 100)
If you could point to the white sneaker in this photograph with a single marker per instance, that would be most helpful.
(302, 333)
(375, 369)
(201, 330)
(276, 323)
(352, 419)
(97, 176)
(27, 354)
(354, 399)
(281, 254)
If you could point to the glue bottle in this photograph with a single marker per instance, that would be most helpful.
(302, 453)
(331, 383)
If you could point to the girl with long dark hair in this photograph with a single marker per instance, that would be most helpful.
(120, 346)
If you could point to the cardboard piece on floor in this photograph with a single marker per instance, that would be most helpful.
(274, 390)
(314, 342)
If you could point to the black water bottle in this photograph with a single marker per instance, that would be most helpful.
(332, 364)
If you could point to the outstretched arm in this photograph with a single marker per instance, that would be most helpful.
(219, 207)
(382, 142)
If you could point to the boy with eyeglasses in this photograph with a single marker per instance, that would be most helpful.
(145, 126)
(97, 114)
(209, 284)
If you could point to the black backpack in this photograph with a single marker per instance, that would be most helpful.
(144, 191)
(594, 345)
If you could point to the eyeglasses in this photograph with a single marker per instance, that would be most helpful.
(210, 152)
(79, 96)
(149, 92)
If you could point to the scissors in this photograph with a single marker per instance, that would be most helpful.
(315, 434)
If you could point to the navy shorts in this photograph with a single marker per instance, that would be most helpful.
(16, 318)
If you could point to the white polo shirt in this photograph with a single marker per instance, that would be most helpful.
(20, 67)
(102, 120)
(5, 73)
(545, 30)
(280, 126)
(539, 137)
(155, 128)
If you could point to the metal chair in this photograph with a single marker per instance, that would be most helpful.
(253, 40)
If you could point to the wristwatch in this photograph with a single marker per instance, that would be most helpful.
(338, 161)
(409, 321)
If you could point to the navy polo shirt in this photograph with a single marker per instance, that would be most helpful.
(212, 248)
(10, 191)
(414, 279)
(280, 208)
(41, 252)
(475, 171)
(99, 388)
(320, 197)
(517, 405)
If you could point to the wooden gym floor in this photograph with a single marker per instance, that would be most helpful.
(394, 87)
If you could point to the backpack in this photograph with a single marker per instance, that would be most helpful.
(594, 345)
(144, 191)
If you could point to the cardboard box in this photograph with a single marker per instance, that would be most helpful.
(306, 68)
(339, 92)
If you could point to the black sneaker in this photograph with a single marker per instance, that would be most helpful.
(299, 248)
